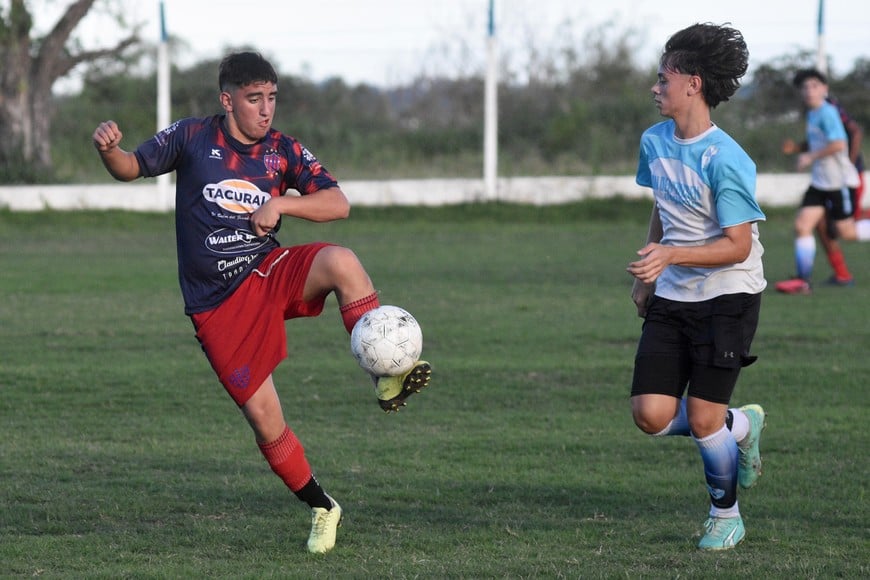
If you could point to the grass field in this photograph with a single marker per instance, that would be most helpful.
(121, 457)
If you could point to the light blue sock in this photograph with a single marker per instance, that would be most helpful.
(804, 256)
(679, 425)
(719, 453)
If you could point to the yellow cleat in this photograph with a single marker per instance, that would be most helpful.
(392, 391)
(324, 524)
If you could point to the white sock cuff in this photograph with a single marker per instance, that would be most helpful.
(664, 431)
(732, 512)
(712, 440)
(739, 425)
(808, 242)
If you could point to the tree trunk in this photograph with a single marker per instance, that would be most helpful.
(31, 66)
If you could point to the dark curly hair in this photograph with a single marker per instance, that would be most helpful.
(241, 69)
(809, 73)
(717, 54)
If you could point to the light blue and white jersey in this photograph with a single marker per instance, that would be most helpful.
(701, 185)
(831, 172)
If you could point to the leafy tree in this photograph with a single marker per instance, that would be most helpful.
(31, 66)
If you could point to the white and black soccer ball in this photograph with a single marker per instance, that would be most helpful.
(386, 341)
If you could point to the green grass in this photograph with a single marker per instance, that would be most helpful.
(121, 456)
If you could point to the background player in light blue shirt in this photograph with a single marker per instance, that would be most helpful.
(834, 184)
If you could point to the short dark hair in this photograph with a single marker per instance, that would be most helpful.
(244, 68)
(809, 73)
(717, 54)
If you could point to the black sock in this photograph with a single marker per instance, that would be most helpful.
(312, 494)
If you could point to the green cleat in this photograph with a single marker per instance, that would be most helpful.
(324, 524)
(749, 467)
(722, 533)
(392, 391)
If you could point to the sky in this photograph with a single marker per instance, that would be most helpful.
(389, 42)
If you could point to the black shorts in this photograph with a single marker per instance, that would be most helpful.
(696, 345)
(839, 203)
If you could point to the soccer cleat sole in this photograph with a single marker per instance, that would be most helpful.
(415, 381)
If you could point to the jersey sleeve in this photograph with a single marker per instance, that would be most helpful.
(305, 173)
(161, 153)
(832, 124)
(643, 177)
(733, 179)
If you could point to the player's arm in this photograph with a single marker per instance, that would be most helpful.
(642, 291)
(790, 146)
(324, 205)
(856, 138)
(806, 159)
(122, 165)
(732, 248)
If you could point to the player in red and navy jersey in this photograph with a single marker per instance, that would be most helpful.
(236, 178)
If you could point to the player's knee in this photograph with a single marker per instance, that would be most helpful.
(649, 423)
(705, 425)
(339, 260)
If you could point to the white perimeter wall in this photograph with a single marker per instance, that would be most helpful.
(146, 195)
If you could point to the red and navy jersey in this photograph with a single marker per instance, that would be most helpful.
(847, 120)
(219, 183)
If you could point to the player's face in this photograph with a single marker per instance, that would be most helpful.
(813, 92)
(671, 92)
(250, 110)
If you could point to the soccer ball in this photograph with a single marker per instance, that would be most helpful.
(386, 341)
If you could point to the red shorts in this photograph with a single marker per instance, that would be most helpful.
(244, 338)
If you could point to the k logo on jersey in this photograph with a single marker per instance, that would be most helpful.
(235, 195)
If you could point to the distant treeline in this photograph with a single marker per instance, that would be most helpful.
(582, 121)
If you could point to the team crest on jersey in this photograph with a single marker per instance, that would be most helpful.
(235, 195)
(708, 155)
(272, 161)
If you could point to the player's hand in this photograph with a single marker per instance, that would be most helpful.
(789, 147)
(641, 294)
(654, 259)
(804, 161)
(264, 219)
(107, 136)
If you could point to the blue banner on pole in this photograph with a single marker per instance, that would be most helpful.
(162, 23)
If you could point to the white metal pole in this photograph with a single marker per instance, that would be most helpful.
(163, 102)
(821, 56)
(490, 123)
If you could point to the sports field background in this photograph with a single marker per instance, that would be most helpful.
(122, 457)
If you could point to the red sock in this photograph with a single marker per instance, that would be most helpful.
(286, 457)
(838, 263)
(353, 311)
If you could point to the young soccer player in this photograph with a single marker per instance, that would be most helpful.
(239, 285)
(835, 185)
(699, 278)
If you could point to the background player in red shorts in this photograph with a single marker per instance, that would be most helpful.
(239, 285)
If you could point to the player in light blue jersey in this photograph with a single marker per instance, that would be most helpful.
(699, 278)
(832, 200)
